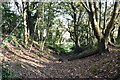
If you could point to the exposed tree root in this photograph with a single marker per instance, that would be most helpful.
(86, 47)
(84, 54)
(111, 44)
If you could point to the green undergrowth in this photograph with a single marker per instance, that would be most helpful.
(118, 40)
(14, 41)
(62, 48)
(7, 74)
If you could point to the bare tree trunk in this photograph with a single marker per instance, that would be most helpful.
(103, 45)
(100, 6)
(77, 46)
(105, 16)
(112, 40)
(26, 33)
(118, 32)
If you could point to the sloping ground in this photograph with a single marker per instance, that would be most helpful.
(33, 63)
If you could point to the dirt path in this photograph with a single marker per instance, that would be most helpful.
(30, 64)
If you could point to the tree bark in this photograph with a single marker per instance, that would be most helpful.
(111, 23)
(102, 46)
(26, 33)
(77, 47)
(118, 32)
(105, 16)
(94, 23)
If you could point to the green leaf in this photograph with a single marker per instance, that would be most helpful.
(3, 45)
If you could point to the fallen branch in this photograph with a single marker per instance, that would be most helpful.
(84, 54)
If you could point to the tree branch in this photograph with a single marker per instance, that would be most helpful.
(96, 12)
(17, 5)
(111, 23)
(85, 6)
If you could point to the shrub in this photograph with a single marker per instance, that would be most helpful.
(62, 48)
(7, 74)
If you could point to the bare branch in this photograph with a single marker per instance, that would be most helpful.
(96, 11)
(105, 15)
(85, 6)
(111, 23)
(19, 10)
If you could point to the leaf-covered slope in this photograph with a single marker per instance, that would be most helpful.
(31, 62)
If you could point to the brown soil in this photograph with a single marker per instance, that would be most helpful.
(34, 63)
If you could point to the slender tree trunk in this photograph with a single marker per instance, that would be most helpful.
(118, 32)
(105, 16)
(112, 40)
(100, 6)
(29, 24)
(26, 33)
(77, 46)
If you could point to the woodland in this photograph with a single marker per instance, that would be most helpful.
(60, 40)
